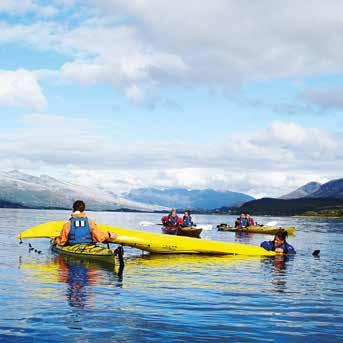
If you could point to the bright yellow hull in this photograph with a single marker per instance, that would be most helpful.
(155, 242)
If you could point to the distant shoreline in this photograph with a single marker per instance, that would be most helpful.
(195, 212)
(317, 216)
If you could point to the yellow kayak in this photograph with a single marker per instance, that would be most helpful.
(92, 251)
(155, 242)
(270, 230)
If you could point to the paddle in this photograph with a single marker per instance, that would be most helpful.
(271, 223)
(198, 226)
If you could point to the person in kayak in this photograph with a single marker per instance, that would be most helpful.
(279, 244)
(250, 221)
(241, 221)
(81, 229)
(187, 219)
(172, 219)
(238, 222)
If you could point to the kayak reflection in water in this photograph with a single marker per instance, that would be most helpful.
(77, 277)
(81, 229)
(279, 244)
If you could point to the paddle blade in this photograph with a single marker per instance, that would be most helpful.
(146, 223)
(272, 223)
(205, 227)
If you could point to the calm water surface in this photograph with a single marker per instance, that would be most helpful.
(172, 298)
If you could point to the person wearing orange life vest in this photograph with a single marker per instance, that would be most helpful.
(81, 229)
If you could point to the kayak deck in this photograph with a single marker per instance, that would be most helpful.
(89, 251)
(271, 230)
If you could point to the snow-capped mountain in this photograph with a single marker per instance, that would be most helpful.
(303, 191)
(331, 189)
(45, 191)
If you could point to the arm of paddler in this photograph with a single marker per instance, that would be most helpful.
(267, 245)
(63, 238)
(98, 235)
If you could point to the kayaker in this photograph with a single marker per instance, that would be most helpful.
(187, 219)
(279, 244)
(81, 229)
(250, 221)
(238, 222)
(172, 219)
(241, 221)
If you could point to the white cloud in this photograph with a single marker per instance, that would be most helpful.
(20, 7)
(326, 99)
(257, 183)
(141, 46)
(227, 41)
(271, 161)
(20, 88)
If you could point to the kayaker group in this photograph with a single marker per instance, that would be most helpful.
(172, 219)
(244, 220)
(80, 229)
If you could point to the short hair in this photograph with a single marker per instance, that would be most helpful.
(282, 234)
(188, 212)
(79, 205)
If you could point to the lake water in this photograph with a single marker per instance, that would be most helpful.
(172, 298)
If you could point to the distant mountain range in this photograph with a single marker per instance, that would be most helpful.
(8, 204)
(183, 198)
(25, 190)
(18, 189)
(312, 197)
(331, 189)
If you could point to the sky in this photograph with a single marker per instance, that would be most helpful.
(230, 95)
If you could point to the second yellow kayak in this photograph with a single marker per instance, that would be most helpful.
(270, 230)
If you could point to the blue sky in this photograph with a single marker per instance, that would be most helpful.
(136, 94)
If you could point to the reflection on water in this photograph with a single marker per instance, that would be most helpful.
(172, 297)
(79, 275)
(278, 268)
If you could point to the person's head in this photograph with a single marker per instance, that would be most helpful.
(280, 238)
(242, 215)
(173, 212)
(79, 205)
(247, 215)
(187, 213)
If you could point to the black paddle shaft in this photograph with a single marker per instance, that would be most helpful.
(119, 251)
